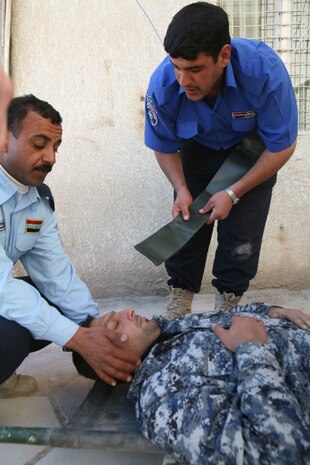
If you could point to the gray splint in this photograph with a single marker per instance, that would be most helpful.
(170, 238)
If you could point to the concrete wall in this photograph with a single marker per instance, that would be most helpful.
(92, 60)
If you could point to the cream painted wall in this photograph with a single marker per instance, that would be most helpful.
(92, 60)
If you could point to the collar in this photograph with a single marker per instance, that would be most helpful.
(250, 83)
(163, 94)
(230, 77)
(148, 350)
(8, 190)
(21, 188)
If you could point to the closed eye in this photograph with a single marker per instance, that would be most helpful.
(113, 323)
(38, 147)
(196, 70)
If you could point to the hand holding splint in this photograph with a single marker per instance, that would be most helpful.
(219, 206)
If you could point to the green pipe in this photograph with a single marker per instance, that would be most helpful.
(77, 438)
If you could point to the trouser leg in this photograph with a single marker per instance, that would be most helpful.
(186, 267)
(16, 342)
(239, 240)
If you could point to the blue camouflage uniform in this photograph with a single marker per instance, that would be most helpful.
(257, 96)
(28, 232)
(207, 405)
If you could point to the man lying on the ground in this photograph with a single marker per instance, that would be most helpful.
(222, 388)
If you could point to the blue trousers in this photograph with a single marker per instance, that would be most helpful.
(239, 236)
(16, 342)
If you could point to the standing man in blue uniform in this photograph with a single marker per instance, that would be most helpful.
(52, 304)
(205, 96)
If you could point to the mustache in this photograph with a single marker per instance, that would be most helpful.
(46, 168)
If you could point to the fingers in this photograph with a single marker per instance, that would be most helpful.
(6, 88)
(219, 207)
(299, 318)
(112, 380)
(124, 359)
(111, 369)
(116, 371)
(117, 338)
(243, 329)
(208, 206)
(219, 331)
(182, 202)
(209, 209)
(106, 378)
(177, 209)
(224, 336)
(110, 361)
(185, 213)
(213, 216)
(6, 91)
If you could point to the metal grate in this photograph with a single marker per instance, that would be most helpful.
(285, 26)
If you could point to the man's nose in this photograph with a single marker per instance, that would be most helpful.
(184, 78)
(49, 155)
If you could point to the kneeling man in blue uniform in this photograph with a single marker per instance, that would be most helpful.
(51, 303)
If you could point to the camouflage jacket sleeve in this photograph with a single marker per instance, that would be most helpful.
(274, 426)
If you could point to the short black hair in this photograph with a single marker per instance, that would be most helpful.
(20, 106)
(198, 27)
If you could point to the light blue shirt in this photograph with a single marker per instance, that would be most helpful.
(258, 94)
(28, 232)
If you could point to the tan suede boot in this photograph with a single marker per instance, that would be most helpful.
(18, 386)
(179, 303)
(225, 301)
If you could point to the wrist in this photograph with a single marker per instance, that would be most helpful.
(75, 342)
(87, 323)
(232, 195)
(181, 188)
(276, 312)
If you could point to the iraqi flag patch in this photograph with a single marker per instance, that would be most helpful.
(33, 226)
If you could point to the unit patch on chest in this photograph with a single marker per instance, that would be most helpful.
(243, 114)
(33, 226)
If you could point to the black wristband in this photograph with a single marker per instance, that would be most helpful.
(86, 323)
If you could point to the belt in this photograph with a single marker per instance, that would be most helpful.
(170, 238)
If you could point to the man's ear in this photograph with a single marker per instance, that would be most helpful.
(4, 142)
(224, 55)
